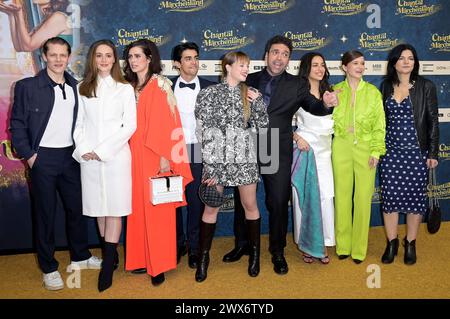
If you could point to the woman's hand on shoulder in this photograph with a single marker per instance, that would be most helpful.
(252, 94)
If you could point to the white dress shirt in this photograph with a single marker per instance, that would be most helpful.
(186, 99)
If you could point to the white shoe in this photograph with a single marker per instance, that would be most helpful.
(53, 281)
(91, 263)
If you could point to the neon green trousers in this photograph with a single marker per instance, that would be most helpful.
(354, 183)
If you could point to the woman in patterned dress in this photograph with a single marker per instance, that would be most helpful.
(412, 142)
(229, 157)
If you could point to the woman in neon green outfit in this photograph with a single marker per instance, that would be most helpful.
(359, 131)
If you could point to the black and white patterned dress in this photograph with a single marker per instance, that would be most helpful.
(228, 147)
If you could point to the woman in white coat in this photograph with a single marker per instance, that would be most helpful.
(314, 133)
(106, 120)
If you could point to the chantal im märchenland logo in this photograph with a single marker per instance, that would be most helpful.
(440, 43)
(377, 42)
(416, 8)
(267, 6)
(444, 152)
(439, 191)
(343, 7)
(306, 41)
(125, 37)
(184, 5)
(224, 40)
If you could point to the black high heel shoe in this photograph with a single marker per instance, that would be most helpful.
(158, 280)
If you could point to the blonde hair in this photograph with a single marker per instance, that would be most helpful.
(229, 59)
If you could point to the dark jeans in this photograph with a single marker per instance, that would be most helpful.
(194, 207)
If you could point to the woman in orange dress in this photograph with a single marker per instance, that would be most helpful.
(157, 146)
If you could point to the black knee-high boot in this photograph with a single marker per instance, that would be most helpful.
(106, 274)
(206, 236)
(254, 235)
(116, 254)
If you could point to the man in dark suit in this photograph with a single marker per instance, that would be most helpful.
(284, 94)
(186, 87)
(42, 123)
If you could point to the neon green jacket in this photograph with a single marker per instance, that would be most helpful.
(368, 114)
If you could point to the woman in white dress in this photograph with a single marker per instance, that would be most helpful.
(106, 120)
(314, 133)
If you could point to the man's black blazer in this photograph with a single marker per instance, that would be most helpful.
(289, 95)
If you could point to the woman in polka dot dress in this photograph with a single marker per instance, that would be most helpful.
(412, 145)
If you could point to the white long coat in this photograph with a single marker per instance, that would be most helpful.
(104, 125)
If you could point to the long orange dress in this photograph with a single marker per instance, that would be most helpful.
(151, 230)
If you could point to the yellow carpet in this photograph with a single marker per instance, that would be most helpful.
(428, 278)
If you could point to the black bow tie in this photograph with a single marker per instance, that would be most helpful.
(190, 85)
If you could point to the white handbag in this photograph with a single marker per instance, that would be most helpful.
(166, 189)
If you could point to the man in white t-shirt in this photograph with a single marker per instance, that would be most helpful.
(42, 122)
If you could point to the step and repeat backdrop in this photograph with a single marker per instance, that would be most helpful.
(217, 26)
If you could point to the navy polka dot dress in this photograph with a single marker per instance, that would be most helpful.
(403, 169)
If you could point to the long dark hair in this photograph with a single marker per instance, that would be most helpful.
(151, 51)
(393, 57)
(305, 70)
(89, 85)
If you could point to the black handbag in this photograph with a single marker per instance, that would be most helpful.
(434, 211)
(210, 196)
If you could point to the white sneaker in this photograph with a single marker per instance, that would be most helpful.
(53, 281)
(91, 263)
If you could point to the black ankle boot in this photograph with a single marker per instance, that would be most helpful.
(390, 251)
(206, 236)
(410, 252)
(253, 228)
(116, 254)
(106, 273)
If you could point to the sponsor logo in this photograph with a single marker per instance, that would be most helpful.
(440, 43)
(427, 67)
(377, 42)
(306, 41)
(444, 115)
(343, 7)
(376, 197)
(267, 6)
(377, 67)
(125, 37)
(184, 5)
(416, 8)
(224, 40)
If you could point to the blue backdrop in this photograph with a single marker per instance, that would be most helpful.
(329, 26)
